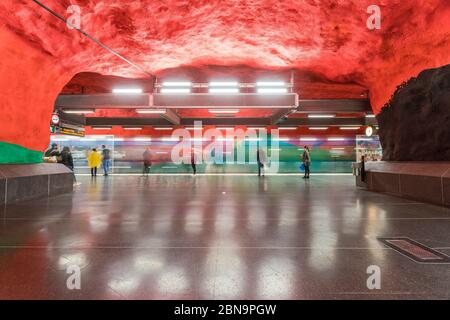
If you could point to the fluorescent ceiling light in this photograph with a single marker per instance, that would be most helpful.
(337, 148)
(102, 128)
(223, 84)
(281, 139)
(151, 111)
(177, 84)
(321, 115)
(272, 90)
(142, 139)
(170, 139)
(287, 128)
(336, 139)
(318, 128)
(370, 116)
(223, 110)
(194, 128)
(132, 128)
(162, 128)
(349, 128)
(270, 84)
(257, 128)
(175, 90)
(223, 90)
(308, 139)
(127, 90)
(225, 128)
(79, 111)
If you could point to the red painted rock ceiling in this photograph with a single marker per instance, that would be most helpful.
(326, 42)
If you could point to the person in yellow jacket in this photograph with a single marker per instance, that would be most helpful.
(94, 161)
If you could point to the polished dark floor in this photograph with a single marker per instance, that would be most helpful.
(219, 237)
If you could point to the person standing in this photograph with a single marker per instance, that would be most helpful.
(67, 160)
(261, 160)
(94, 161)
(306, 159)
(147, 157)
(193, 162)
(106, 160)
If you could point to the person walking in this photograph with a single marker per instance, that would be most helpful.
(106, 160)
(306, 159)
(261, 160)
(147, 157)
(94, 161)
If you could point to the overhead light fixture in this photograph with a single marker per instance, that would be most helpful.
(336, 139)
(170, 139)
(223, 84)
(177, 84)
(370, 116)
(272, 90)
(151, 111)
(79, 111)
(175, 90)
(132, 128)
(318, 128)
(127, 90)
(221, 111)
(194, 128)
(142, 139)
(281, 139)
(308, 139)
(225, 128)
(349, 128)
(162, 128)
(287, 128)
(270, 84)
(223, 90)
(101, 127)
(323, 116)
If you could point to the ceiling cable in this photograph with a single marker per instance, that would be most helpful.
(134, 65)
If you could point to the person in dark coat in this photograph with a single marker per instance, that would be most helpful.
(147, 158)
(306, 159)
(66, 158)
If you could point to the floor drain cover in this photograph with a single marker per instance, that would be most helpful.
(415, 250)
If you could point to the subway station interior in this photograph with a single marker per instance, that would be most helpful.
(224, 149)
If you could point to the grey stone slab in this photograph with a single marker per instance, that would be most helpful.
(60, 183)
(26, 188)
(423, 188)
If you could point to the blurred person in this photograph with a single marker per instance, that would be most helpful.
(67, 160)
(193, 161)
(94, 161)
(106, 160)
(147, 157)
(53, 151)
(306, 160)
(261, 160)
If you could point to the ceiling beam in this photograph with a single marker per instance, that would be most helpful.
(171, 116)
(96, 121)
(334, 105)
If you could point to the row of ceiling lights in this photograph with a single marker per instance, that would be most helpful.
(213, 111)
(216, 87)
(345, 128)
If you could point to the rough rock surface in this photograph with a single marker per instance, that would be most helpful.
(327, 39)
(415, 124)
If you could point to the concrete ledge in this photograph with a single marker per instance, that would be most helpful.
(422, 181)
(19, 182)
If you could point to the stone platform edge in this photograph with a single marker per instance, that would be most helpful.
(21, 182)
(421, 181)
